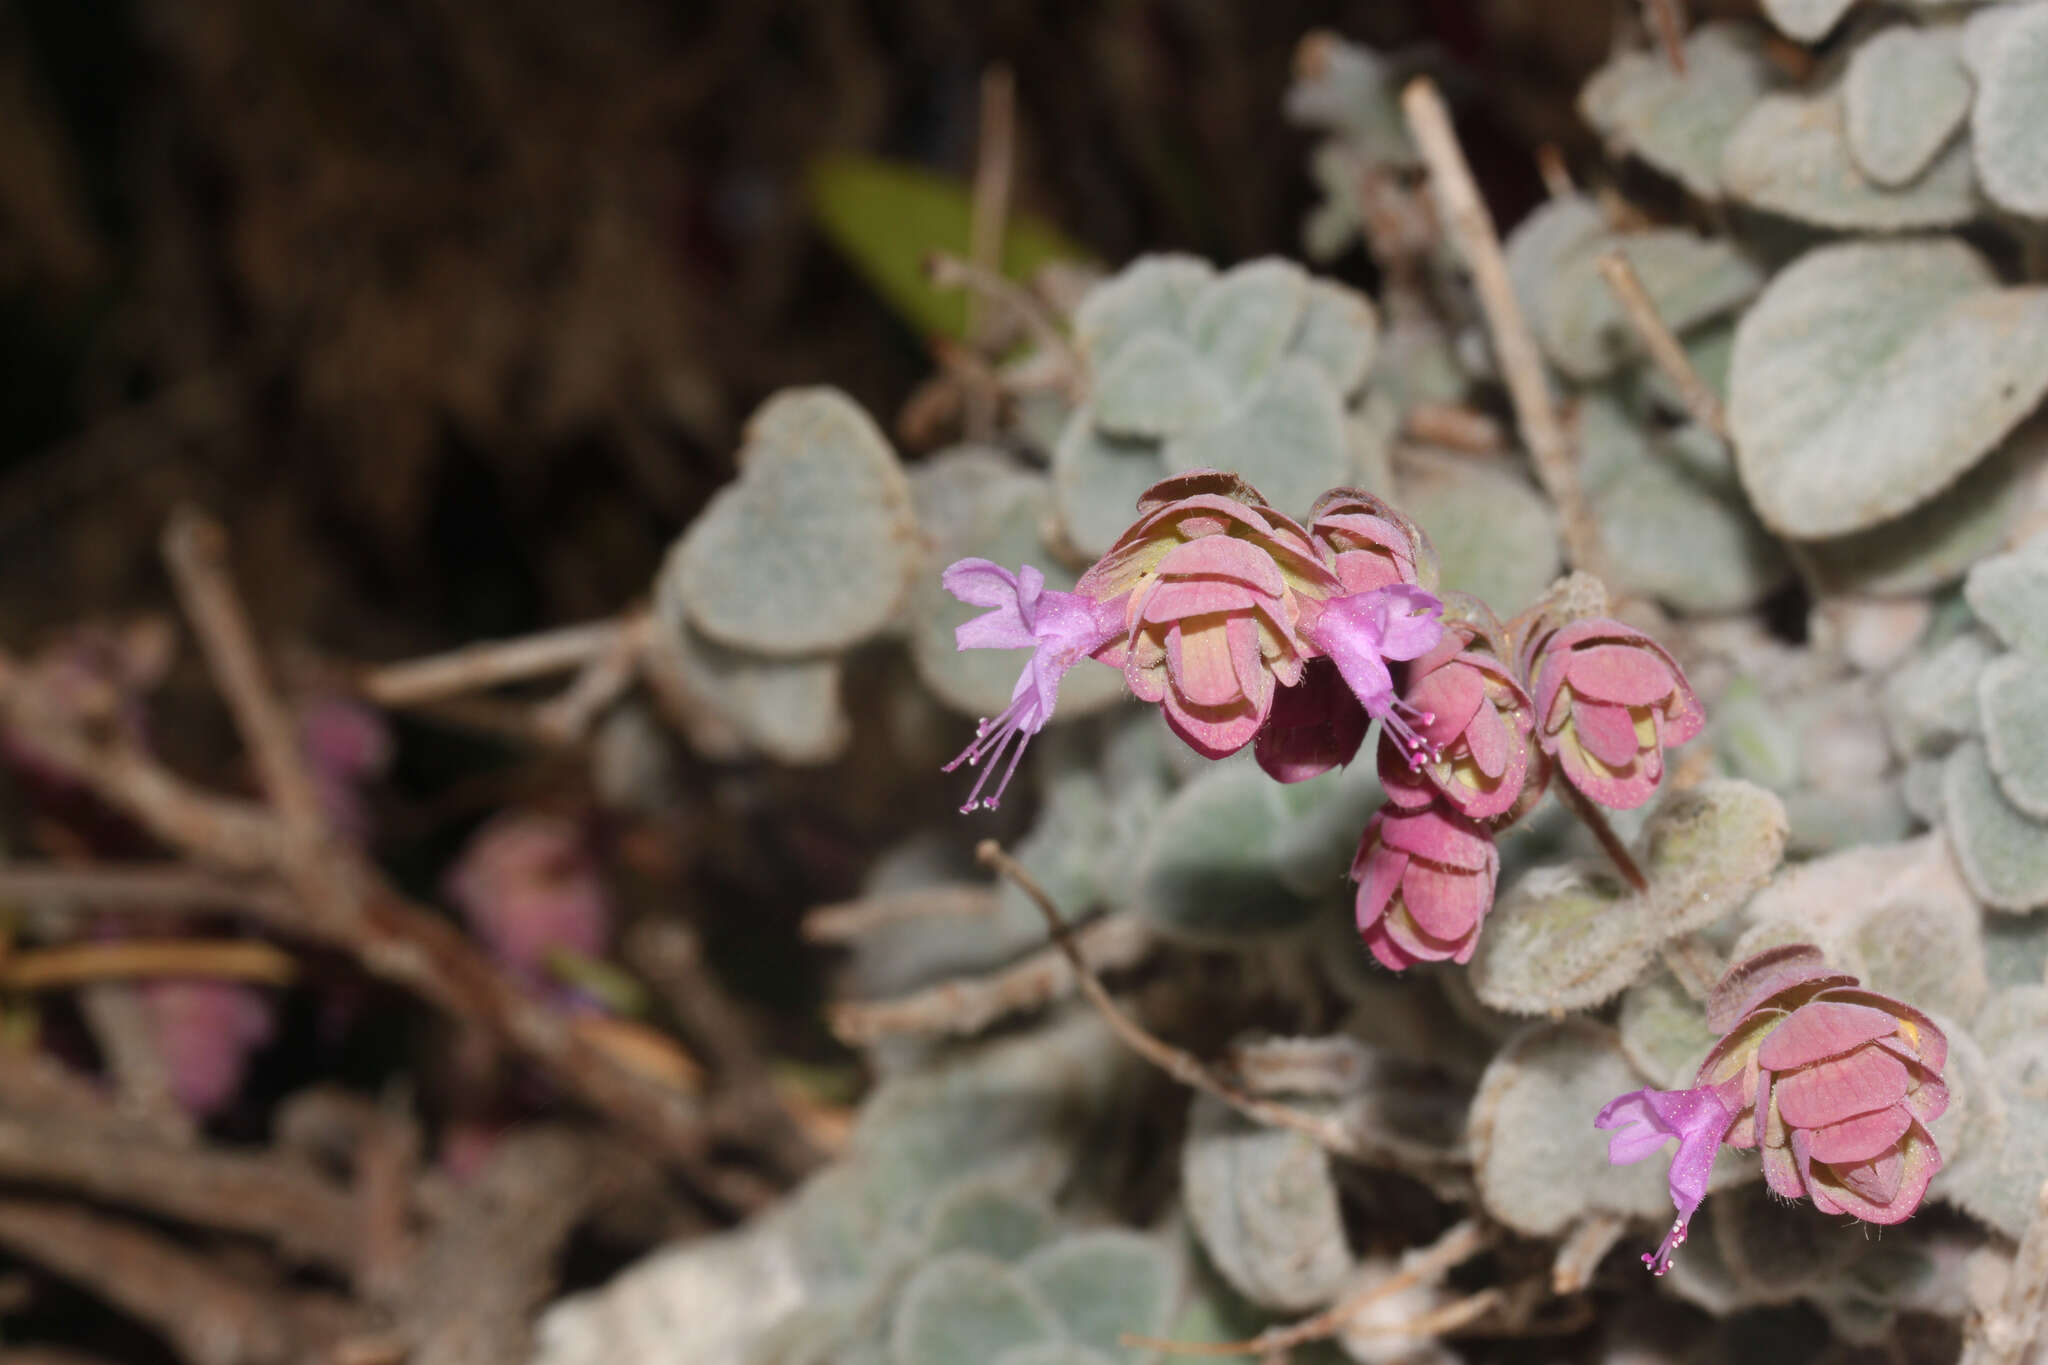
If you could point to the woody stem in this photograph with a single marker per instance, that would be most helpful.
(1591, 816)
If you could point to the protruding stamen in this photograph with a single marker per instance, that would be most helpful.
(1659, 1261)
(991, 738)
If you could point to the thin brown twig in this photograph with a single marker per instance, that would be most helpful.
(74, 964)
(1665, 350)
(567, 717)
(490, 664)
(1610, 843)
(1181, 1065)
(1453, 425)
(1470, 224)
(158, 888)
(1667, 21)
(1582, 1251)
(1459, 1243)
(950, 272)
(970, 1004)
(994, 170)
(1555, 174)
(111, 1162)
(845, 921)
(195, 548)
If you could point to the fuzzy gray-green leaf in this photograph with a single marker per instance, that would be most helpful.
(2009, 125)
(1679, 122)
(1264, 1205)
(2010, 595)
(1106, 1283)
(968, 1307)
(1790, 155)
(1157, 386)
(1206, 869)
(1096, 480)
(2012, 698)
(1906, 94)
(1929, 365)
(2003, 851)
(1288, 440)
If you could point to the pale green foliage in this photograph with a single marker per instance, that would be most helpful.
(813, 547)
(1906, 94)
(2010, 595)
(2012, 698)
(1929, 364)
(968, 1307)
(2011, 112)
(1264, 1205)
(1495, 535)
(1106, 1283)
(1791, 155)
(1537, 1172)
(1679, 122)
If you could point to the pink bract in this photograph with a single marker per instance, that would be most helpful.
(1608, 701)
(1425, 882)
(1476, 753)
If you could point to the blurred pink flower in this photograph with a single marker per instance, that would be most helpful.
(528, 886)
(205, 1032)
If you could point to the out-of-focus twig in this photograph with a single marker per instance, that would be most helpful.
(490, 664)
(1450, 424)
(1667, 21)
(995, 163)
(280, 1200)
(1664, 348)
(207, 1316)
(1460, 1242)
(1471, 226)
(1331, 1133)
(970, 1004)
(950, 272)
(567, 717)
(72, 964)
(845, 921)
(1581, 1252)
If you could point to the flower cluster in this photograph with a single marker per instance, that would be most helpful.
(1835, 1084)
(1248, 628)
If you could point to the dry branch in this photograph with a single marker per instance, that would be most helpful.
(1470, 224)
(970, 1004)
(1664, 348)
(474, 668)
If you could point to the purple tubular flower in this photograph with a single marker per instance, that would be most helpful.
(1644, 1121)
(1057, 627)
(1361, 631)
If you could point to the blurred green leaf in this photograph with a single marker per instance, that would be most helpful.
(886, 217)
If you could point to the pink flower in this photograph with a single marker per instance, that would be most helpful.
(347, 745)
(1368, 543)
(1609, 701)
(1475, 748)
(1315, 725)
(529, 887)
(1361, 631)
(1647, 1120)
(1836, 1084)
(1058, 628)
(1215, 584)
(1425, 882)
(205, 1032)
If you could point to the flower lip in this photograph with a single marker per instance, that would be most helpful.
(1644, 1121)
(1059, 628)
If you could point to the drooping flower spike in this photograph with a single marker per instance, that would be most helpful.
(1834, 1083)
(1059, 628)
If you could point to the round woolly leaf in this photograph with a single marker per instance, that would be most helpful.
(1151, 294)
(1495, 536)
(1755, 737)
(1244, 318)
(2011, 114)
(1103, 1284)
(1206, 869)
(1707, 848)
(1313, 848)
(1664, 1031)
(985, 1218)
(1673, 525)
(1926, 947)
(967, 1307)
(787, 709)
(1778, 1251)
(2003, 851)
(1928, 704)
(1928, 363)
(1936, 543)
(1561, 939)
(1905, 95)
(2016, 949)
(1540, 1163)
(1806, 20)
(1339, 334)
(1003, 523)
(813, 546)
(2012, 698)
(2010, 595)
(1288, 441)
(1680, 121)
(1265, 1208)
(1790, 155)
(1096, 480)
(1157, 386)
